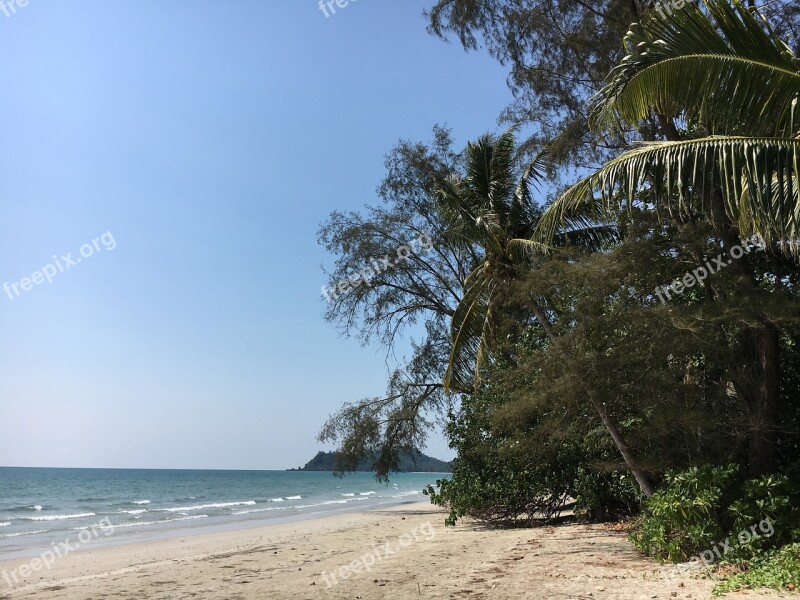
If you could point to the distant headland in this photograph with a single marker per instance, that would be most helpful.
(413, 461)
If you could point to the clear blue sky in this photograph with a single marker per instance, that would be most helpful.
(211, 138)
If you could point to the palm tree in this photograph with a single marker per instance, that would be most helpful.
(487, 208)
(491, 209)
(724, 74)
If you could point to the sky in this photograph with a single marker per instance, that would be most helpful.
(165, 167)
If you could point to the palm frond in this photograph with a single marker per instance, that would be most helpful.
(756, 176)
(725, 67)
(490, 174)
(522, 250)
(471, 333)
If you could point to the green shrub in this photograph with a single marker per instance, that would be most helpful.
(765, 498)
(704, 510)
(683, 518)
(778, 569)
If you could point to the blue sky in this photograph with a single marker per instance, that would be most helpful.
(211, 139)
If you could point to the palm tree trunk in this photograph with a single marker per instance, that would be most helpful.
(764, 400)
(758, 365)
(641, 477)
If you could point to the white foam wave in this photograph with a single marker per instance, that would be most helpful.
(60, 517)
(259, 510)
(366, 493)
(38, 507)
(12, 535)
(134, 512)
(204, 506)
(404, 494)
(348, 495)
(294, 497)
(277, 500)
(141, 502)
(144, 523)
(4, 524)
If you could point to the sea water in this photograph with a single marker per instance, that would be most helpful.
(41, 507)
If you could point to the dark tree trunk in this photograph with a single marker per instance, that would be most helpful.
(758, 365)
(630, 460)
(765, 400)
(625, 451)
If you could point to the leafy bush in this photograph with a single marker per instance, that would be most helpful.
(701, 508)
(765, 498)
(778, 569)
(684, 518)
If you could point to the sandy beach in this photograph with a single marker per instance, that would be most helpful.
(403, 552)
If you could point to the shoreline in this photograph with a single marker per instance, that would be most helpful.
(167, 533)
(400, 552)
(143, 505)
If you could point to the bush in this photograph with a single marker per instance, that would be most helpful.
(701, 508)
(778, 569)
(684, 518)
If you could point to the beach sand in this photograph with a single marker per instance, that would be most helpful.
(403, 552)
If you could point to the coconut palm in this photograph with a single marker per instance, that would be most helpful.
(721, 71)
(725, 73)
(487, 208)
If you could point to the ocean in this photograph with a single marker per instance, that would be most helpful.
(43, 507)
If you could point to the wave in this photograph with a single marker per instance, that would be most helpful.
(258, 510)
(322, 504)
(348, 495)
(366, 493)
(134, 512)
(141, 502)
(203, 506)
(26, 508)
(145, 523)
(404, 494)
(60, 517)
(277, 500)
(294, 497)
(4, 524)
(13, 535)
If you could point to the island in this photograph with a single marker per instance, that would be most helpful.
(413, 461)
